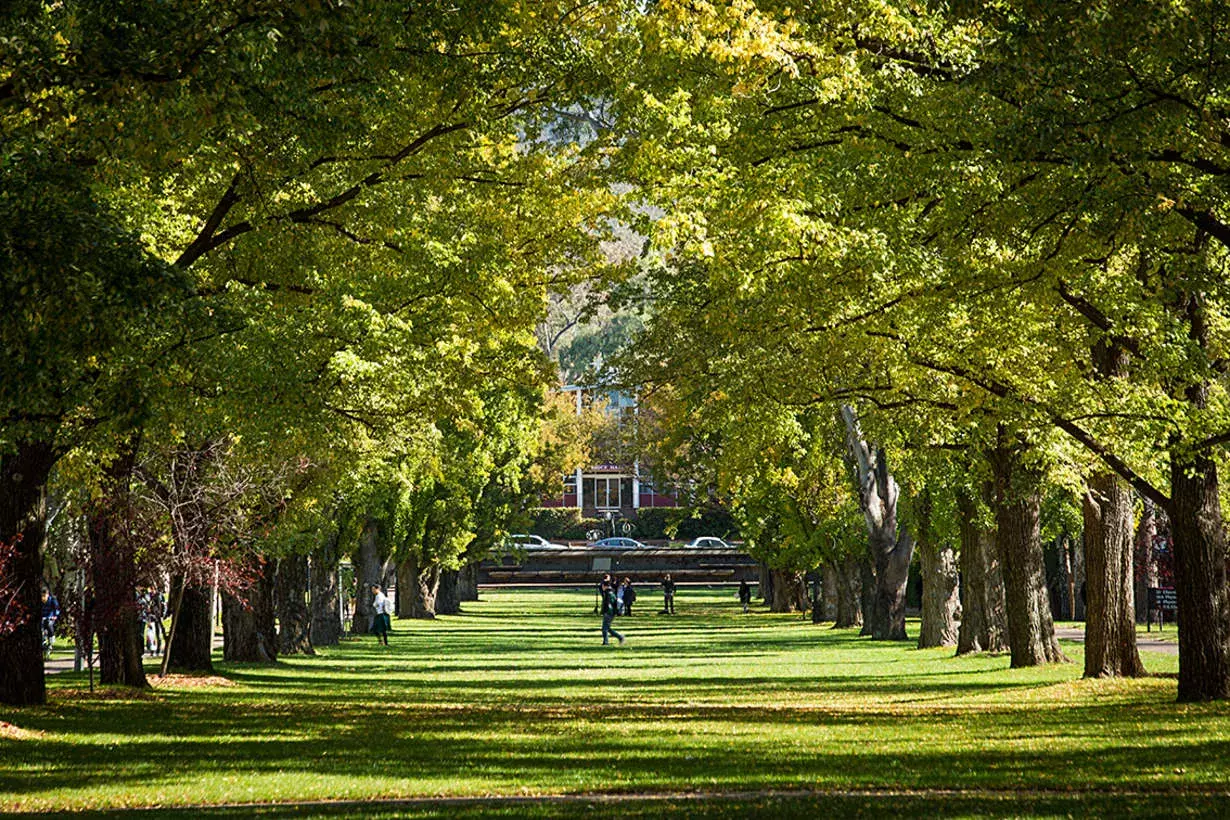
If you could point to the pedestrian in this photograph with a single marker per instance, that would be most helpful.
(668, 596)
(745, 595)
(382, 608)
(51, 613)
(619, 598)
(629, 595)
(610, 608)
(606, 579)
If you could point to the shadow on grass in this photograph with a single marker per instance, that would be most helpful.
(767, 806)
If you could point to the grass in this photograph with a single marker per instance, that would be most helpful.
(711, 713)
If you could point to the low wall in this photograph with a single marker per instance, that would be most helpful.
(587, 565)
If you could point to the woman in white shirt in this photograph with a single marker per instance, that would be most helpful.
(383, 608)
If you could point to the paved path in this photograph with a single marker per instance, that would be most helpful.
(62, 659)
(1167, 644)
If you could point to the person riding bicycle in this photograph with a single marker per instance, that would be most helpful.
(51, 613)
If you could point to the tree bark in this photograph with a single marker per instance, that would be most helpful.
(23, 525)
(940, 599)
(866, 595)
(113, 571)
(828, 590)
(1145, 563)
(891, 551)
(192, 631)
(1018, 503)
(766, 583)
(1200, 579)
(417, 587)
(326, 611)
(294, 618)
(789, 592)
(983, 622)
(1110, 624)
(448, 600)
(369, 569)
(849, 591)
(467, 582)
(249, 632)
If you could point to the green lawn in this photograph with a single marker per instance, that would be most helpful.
(710, 713)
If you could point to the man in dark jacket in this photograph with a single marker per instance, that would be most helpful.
(610, 608)
(668, 595)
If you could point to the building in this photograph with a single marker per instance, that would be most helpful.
(618, 487)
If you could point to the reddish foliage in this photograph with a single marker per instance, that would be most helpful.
(13, 613)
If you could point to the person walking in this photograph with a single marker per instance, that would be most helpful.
(610, 608)
(745, 595)
(668, 596)
(629, 592)
(51, 613)
(382, 608)
(606, 579)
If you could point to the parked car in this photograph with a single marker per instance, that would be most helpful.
(522, 540)
(707, 542)
(620, 544)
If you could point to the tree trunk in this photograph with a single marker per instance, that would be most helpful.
(369, 569)
(789, 592)
(113, 575)
(192, 631)
(1110, 626)
(249, 633)
(828, 590)
(121, 647)
(983, 623)
(448, 601)
(23, 526)
(891, 551)
(1018, 502)
(294, 618)
(417, 587)
(467, 582)
(1200, 579)
(1145, 563)
(326, 610)
(866, 595)
(766, 583)
(849, 592)
(940, 598)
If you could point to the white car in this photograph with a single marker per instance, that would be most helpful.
(707, 542)
(523, 541)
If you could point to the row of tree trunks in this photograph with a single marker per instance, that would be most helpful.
(1018, 504)
(1110, 625)
(983, 620)
(23, 526)
(291, 597)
